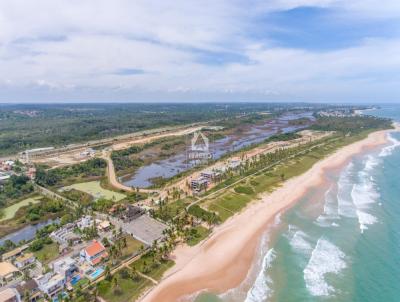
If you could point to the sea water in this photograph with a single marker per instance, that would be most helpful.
(340, 242)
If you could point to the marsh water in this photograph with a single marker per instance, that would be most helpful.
(176, 164)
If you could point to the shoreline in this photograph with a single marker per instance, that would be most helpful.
(223, 260)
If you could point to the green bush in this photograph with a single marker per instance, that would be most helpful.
(244, 190)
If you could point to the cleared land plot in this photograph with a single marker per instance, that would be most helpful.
(47, 253)
(145, 229)
(10, 211)
(94, 188)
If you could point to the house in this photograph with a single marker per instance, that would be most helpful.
(30, 288)
(51, 284)
(84, 222)
(11, 255)
(208, 174)
(65, 236)
(199, 183)
(65, 267)
(9, 273)
(94, 253)
(4, 177)
(24, 260)
(104, 226)
(9, 295)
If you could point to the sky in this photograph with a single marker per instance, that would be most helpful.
(204, 50)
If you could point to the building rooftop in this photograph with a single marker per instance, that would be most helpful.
(7, 268)
(7, 294)
(24, 257)
(26, 286)
(94, 248)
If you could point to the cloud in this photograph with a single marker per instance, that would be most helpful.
(182, 50)
(129, 71)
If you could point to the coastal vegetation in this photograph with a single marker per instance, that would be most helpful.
(27, 126)
(63, 176)
(18, 186)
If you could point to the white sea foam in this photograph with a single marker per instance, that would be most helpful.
(325, 258)
(345, 203)
(364, 194)
(330, 209)
(300, 242)
(388, 150)
(277, 219)
(261, 289)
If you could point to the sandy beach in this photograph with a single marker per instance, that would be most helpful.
(223, 261)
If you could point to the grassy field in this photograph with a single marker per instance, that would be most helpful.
(148, 266)
(10, 211)
(129, 289)
(132, 246)
(200, 234)
(94, 188)
(48, 253)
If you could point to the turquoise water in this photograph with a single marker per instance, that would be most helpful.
(96, 273)
(341, 242)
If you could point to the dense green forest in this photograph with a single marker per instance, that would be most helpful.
(26, 126)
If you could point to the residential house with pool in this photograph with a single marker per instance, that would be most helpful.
(94, 253)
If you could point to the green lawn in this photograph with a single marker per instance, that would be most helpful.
(10, 211)
(200, 234)
(130, 289)
(229, 203)
(147, 266)
(132, 246)
(94, 188)
(48, 253)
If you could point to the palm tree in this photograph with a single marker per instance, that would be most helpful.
(115, 285)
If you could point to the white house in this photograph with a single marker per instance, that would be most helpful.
(65, 267)
(51, 284)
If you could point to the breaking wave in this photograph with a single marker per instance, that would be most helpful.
(364, 194)
(261, 289)
(325, 258)
(388, 150)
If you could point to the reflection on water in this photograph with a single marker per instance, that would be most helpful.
(176, 164)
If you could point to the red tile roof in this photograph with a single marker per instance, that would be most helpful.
(95, 248)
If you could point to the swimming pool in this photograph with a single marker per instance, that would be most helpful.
(97, 273)
(75, 279)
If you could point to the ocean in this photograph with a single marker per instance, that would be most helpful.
(340, 242)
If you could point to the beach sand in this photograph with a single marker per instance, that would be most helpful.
(223, 261)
